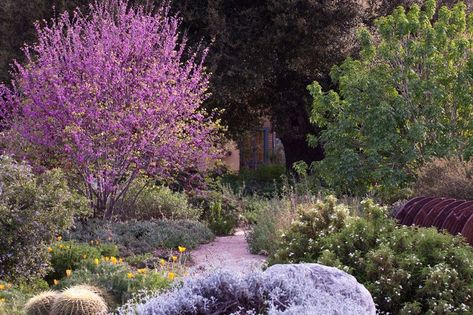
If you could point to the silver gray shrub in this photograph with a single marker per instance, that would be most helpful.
(280, 290)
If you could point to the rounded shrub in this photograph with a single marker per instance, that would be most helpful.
(408, 270)
(79, 300)
(147, 201)
(445, 177)
(224, 293)
(41, 304)
(117, 283)
(221, 209)
(70, 255)
(33, 210)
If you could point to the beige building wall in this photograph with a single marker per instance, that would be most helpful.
(232, 157)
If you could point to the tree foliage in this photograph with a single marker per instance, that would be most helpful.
(265, 53)
(108, 95)
(262, 55)
(407, 98)
(17, 19)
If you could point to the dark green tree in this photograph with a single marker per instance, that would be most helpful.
(17, 18)
(265, 53)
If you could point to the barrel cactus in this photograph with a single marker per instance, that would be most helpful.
(41, 304)
(107, 297)
(79, 300)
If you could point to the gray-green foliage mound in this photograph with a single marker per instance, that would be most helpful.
(33, 210)
(138, 237)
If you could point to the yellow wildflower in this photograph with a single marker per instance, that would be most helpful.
(142, 270)
(2, 286)
(50, 249)
(162, 262)
(56, 282)
(130, 275)
(174, 258)
(171, 276)
(97, 261)
(61, 246)
(68, 272)
(113, 260)
(59, 238)
(106, 258)
(181, 249)
(2, 300)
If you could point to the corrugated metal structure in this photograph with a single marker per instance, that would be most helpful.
(452, 215)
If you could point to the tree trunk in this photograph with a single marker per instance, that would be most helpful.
(296, 149)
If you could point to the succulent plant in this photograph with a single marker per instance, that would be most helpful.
(41, 304)
(79, 300)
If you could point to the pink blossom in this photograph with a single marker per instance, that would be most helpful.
(110, 95)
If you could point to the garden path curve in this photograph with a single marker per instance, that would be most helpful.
(229, 253)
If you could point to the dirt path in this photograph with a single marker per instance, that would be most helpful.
(226, 253)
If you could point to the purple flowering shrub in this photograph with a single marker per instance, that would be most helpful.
(110, 95)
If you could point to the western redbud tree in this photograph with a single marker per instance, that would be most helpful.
(110, 95)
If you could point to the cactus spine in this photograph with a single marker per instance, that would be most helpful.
(41, 304)
(79, 300)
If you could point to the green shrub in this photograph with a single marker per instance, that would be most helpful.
(448, 177)
(221, 209)
(265, 180)
(221, 222)
(407, 270)
(70, 256)
(139, 260)
(13, 297)
(139, 237)
(146, 201)
(269, 223)
(119, 280)
(108, 249)
(33, 209)
(252, 207)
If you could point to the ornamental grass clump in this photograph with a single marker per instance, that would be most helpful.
(408, 270)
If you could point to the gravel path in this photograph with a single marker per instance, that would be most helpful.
(226, 253)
